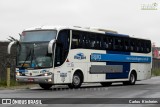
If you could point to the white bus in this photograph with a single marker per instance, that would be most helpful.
(71, 56)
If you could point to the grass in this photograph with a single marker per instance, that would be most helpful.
(156, 72)
(3, 83)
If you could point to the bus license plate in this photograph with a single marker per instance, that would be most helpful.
(30, 79)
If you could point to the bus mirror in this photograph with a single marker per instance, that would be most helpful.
(50, 45)
(10, 45)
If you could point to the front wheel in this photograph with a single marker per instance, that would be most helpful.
(132, 79)
(45, 86)
(76, 81)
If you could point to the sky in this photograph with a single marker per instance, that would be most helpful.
(123, 16)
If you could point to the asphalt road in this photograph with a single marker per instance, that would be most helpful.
(143, 89)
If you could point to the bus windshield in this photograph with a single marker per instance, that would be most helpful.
(33, 36)
(34, 55)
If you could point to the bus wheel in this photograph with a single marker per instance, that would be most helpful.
(76, 81)
(104, 84)
(132, 79)
(45, 86)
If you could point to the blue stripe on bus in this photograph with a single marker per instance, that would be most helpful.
(126, 66)
(119, 58)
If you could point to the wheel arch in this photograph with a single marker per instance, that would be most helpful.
(80, 72)
(133, 71)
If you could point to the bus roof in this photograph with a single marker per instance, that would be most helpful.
(87, 29)
(114, 34)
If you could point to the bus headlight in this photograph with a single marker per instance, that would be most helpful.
(18, 74)
(47, 74)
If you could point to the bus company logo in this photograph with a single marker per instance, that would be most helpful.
(43, 71)
(96, 57)
(79, 56)
(152, 6)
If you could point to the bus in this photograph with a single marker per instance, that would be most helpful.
(59, 55)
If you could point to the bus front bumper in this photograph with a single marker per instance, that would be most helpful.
(36, 79)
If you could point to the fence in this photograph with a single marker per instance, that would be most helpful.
(156, 63)
(10, 59)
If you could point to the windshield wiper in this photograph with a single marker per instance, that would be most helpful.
(26, 58)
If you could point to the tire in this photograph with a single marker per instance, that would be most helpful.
(132, 79)
(76, 81)
(104, 84)
(45, 86)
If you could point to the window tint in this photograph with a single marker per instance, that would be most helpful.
(110, 43)
(118, 44)
(38, 36)
(133, 45)
(62, 47)
(89, 40)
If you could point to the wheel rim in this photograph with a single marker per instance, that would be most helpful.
(76, 80)
(132, 78)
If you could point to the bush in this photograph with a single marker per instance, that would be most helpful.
(156, 72)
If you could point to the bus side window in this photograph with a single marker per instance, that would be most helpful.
(104, 43)
(75, 40)
(126, 44)
(145, 46)
(110, 43)
(80, 44)
(148, 46)
(136, 46)
(118, 44)
(139, 47)
(92, 41)
(132, 45)
(86, 40)
(115, 45)
(142, 46)
(98, 41)
(121, 44)
(62, 47)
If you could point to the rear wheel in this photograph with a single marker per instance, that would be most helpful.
(132, 79)
(76, 81)
(45, 86)
(104, 84)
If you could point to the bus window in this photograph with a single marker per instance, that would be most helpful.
(148, 46)
(62, 47)
(75, 40)
(103, 42)
(132, 43)
(138, 46)
(127, 44)
(81, 42)
(110, 43)
(98, 42)
(142, 46)
(86, 40)
(118, 44)
(92, 41)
